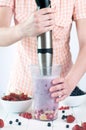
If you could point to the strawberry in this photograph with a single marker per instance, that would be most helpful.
(70, 118)
(84, 125)
(1, 123)
(77, 127)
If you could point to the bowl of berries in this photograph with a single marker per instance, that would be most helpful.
(76, 98)
(16, 103)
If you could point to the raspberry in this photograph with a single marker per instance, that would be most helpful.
(1, 123)
(26, 115)
(81, 128)
(77, 127)
(50, 116)
(70, 119)
(16, 97)
(84, 125)
(64, 108)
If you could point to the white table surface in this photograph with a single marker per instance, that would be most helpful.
(31, 124)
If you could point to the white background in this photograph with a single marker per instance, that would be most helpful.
(7, 56)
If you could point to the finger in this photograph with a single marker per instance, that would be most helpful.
(44, 22)
(58, 93)
(60, 98)
(58, 80)
(48, 23)
(47, 17)
(46, 11)
(47, 29)
(57, 87)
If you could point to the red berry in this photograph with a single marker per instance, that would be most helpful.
(21, 114)
(50, 116)
(1, 123)
(61, 108)
(81, 128)
(26, 115)
(70, 118)
(67, 107)
(77, 127)
(84, 125)
(16, 97)
(64, 108)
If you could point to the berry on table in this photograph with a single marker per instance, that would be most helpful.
(48, 124)
(19, 123)
(64, 117)
(77, 127)
(70, 118)
(63, 111)
(67, 126)
(17, 120)
(64, 108)
(1, 123)
(26, 115)
(10, 122)
(83, 125)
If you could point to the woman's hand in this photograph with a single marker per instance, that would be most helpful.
(39, 22)
(60, 89)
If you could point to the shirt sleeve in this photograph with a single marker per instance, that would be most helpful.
(79, 9)
(8, 3)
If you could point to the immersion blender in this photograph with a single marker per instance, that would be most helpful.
(45, 50)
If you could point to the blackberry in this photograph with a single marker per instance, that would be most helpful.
(64, 117)
(67, 126)
(63, 111)
(17, 120)
(48, 124)
(77, 91)
(10, 122)
(19, 123)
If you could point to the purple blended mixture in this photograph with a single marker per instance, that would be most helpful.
(45, 107)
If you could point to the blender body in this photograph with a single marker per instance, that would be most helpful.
(44, 44)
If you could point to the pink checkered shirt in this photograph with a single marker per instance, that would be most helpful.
(67, 11)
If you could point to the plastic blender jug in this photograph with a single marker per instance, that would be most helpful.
(45, 108)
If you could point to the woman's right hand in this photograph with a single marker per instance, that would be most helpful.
(39, 22)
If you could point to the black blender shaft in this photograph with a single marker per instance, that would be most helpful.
(42, 3)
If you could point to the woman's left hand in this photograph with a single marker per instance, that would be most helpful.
(60, 89)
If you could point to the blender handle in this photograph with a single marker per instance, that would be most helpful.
(42, 3)
(44, 49)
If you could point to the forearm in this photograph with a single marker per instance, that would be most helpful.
(78, 69)
(10, 35)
